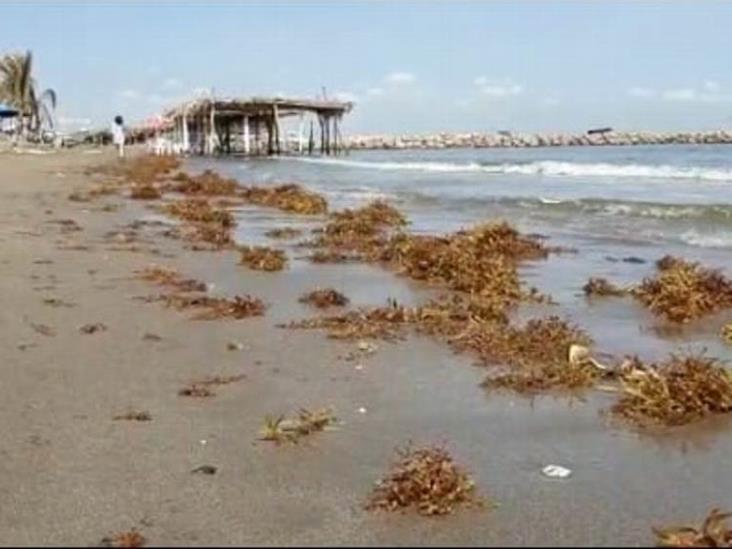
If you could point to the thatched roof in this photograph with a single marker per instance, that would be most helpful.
(254, 106)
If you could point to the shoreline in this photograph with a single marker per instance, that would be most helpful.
(77, 475)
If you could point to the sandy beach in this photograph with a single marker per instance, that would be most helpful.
(72, 475)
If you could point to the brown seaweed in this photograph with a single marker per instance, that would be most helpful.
(213, 308)
(289, 198)
(145, 192)
(714, 532)
(426, 479)
(684, 290)
(208, 183)
(133, 538)
(262, 258)
(170, 277)
(325, 298)
(675, 392)
(283, 232)
(602, 287)
(280, 429)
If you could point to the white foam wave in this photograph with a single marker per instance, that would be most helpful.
(717, 240)
(548, 168)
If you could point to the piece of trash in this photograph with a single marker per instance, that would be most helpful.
(280, 429)
(362, 410)
(92, 328)
(133, 538)
(24, 346)
(203, 442)
(366, 347)
(43, 329)
(134, 415)
(234, 346)
(205, 469)
(359, 366)
(556, 471)
(152, 337)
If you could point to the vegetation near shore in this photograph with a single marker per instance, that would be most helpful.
(681, 291)
(427, 480)
(19, 90)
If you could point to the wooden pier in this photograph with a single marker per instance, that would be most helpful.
(254, 126)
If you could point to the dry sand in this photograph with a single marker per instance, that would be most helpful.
(70, 474)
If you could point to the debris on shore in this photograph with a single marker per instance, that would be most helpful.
(714, 532)
(208, 183)
(134, 415)
(170, 277)
(684, 290)
(601, 287)
(145, 192)
(133, 538)
(726, 333)
(426, 479)
(280, 429)
(283, 233)
(324, 298)
(677, 391)
(288, 198)
(203, 388)
(262, 258)
(213, 308)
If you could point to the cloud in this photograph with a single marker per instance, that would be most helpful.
(711, 86)
(375, 91)
(172, 83)
(639, 91)
(682, 94)
(709, 92)
(130, 94)
(400, 78)
(498, 88)
(551, 101)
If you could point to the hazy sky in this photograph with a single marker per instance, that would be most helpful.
(409, 66)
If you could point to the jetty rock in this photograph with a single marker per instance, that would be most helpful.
(444, 140)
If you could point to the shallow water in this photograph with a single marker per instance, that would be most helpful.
(608, 203)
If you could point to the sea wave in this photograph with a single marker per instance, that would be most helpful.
(549, 168)
(701, 240)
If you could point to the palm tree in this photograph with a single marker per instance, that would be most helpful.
(18, 89)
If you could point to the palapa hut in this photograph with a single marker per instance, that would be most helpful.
(254, 126)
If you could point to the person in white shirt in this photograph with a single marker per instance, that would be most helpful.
(118, 135)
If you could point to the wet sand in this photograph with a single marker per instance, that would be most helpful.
(70, 475)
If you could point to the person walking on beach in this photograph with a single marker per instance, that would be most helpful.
(118, 135)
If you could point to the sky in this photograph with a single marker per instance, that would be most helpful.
(409, 66)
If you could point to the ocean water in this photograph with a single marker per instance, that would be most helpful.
(652, 195)
(621, 208)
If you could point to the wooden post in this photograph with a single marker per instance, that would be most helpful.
(212, 129)
(186, 142)
(311, 141)
(246, 135)
(228, 136)
(322, 133)
(335, 135)
(257, 141)
(276, 120)
(300, 138)
(270, 135)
